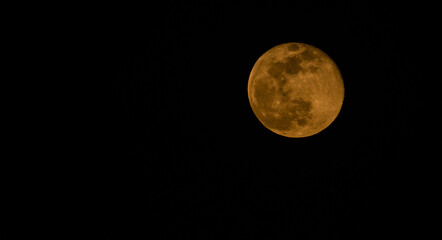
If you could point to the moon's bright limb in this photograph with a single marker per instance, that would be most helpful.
(295, 90)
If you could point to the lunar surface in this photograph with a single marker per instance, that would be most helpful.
(295, 90)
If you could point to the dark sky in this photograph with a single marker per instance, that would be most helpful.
(170, 146)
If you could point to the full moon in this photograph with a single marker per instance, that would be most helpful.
(295, 90)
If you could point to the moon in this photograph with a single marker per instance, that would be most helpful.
(295, 90)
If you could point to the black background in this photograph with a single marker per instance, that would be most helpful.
(167, 146)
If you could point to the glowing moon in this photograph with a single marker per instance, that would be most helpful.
(295, 90)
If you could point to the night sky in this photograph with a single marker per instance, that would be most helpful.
(169, 148)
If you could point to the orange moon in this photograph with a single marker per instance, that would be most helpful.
(295, 90)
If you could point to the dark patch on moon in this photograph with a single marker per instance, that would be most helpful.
(292, 65)
(293, 47)
(301, 122)
(276, 69)
(264, 93)
(313, 69)
(301, 110)
(308, 55)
